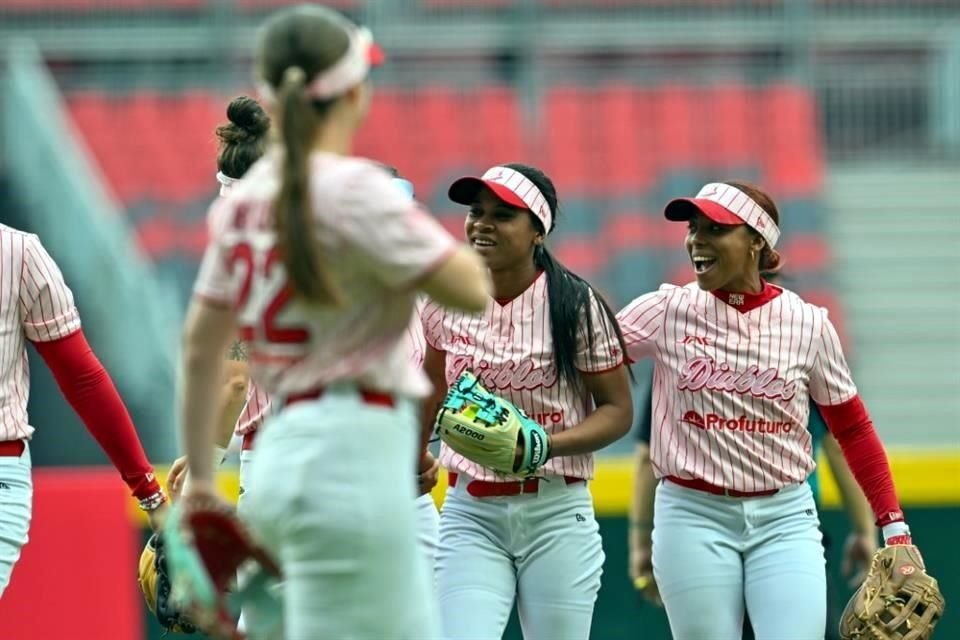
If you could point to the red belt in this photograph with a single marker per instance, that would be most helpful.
(702, 485)
(12, 448)
(247, 443)
(484, 489)
(377, 398)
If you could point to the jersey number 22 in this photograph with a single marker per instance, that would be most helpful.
(264, 293)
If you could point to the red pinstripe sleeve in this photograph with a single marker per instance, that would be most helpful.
(606, 353)
(47, 310)
(830, 379)
(642, 322)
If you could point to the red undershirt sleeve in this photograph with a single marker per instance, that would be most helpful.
(853, 429)
(90, 391)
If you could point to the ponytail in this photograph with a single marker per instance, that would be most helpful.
(568, 294)
(570, 302)
(293, 217)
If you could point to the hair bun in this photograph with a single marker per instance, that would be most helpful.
(247, 114)
(770, 260)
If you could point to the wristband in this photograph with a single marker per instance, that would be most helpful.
(896, 532)
(152, 502)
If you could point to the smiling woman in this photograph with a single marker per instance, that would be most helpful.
(550, 345)
(726, 253)
(733, 355)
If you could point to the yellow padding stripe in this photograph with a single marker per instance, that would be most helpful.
(922, 478)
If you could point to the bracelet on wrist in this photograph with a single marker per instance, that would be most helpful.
(152, 502)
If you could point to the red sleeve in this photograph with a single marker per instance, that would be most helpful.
(853, 429)
(90, 391)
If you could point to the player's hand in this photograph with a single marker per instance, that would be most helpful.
(427, 472)
(858, 552)
(176, 477)
(641, 571)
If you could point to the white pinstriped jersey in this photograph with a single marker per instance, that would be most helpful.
(35, 305)
(258, 404)
(510, 348)
(418, 346)
(732, 388)
(376, 242)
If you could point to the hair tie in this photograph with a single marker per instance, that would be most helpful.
(294, 74)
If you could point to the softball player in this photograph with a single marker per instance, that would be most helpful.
(860, 546)
(316, 257)
(737, 361)
(551, 346)
(36, 305)
(244, 406)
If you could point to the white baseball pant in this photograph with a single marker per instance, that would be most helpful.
(544, 549)
(329, 499)
(714, 555)
(428, 520)
(16, 507)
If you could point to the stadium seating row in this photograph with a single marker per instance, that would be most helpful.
(611, 141)
(616, 153)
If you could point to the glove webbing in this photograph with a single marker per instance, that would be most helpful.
(489, 411)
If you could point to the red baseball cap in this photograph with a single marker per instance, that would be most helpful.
(464, 191)
(509, 185)
(725, 204)
(681, 209)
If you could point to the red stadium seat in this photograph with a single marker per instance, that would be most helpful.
(441, 131)
(384, 132)
(619, 158)
(563, 144)
(679, 129)
(730, 140)
(580, 255)
(628, 231)
(502, 137)
(805, 252)
(614, 152)
(791, 150)
(434, 131)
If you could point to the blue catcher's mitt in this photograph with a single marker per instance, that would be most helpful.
(489, 430)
